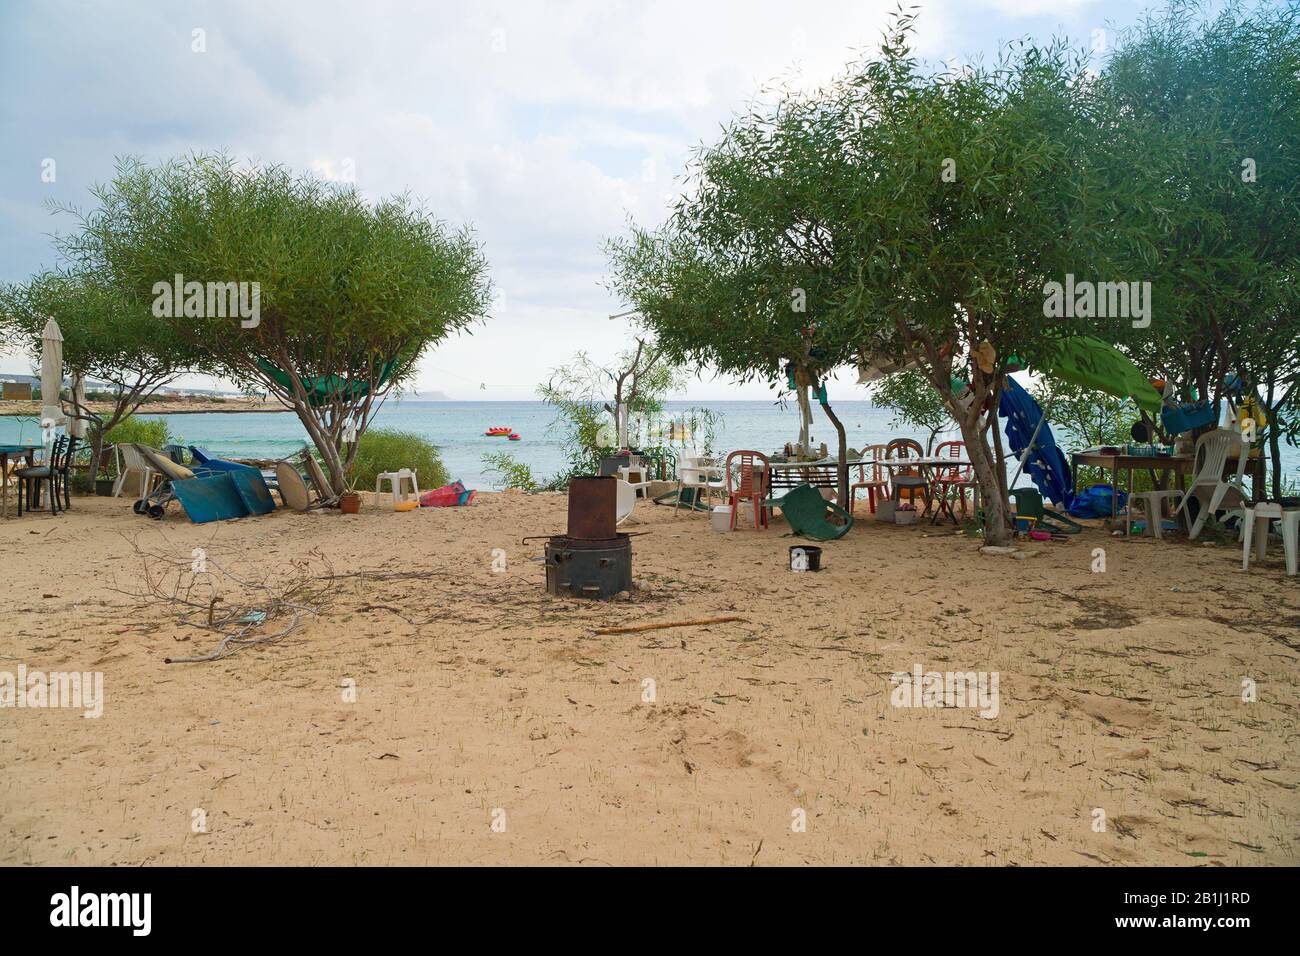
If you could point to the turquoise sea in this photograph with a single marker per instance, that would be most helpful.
(457, 429)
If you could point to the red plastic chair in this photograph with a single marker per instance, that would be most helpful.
(877, 483)
(949, 479)
(750, 475)
(907, 481)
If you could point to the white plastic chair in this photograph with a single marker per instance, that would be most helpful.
(1254, 527)
(395, 479)
(698, 473)
(624, 502)
(131, 462)
(640, 486)
(1208, 486)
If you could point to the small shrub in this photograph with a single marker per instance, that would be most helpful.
(514, 473)
(151, 431)
(388, 449)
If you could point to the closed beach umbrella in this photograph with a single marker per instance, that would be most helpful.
(51, 372)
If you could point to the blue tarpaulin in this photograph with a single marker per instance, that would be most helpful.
(1047, 466)
(213, 498)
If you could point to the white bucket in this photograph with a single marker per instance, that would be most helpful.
(720, 519)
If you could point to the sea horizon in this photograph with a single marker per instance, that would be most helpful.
(456, 427)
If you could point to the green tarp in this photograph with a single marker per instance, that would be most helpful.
(323, 391)
(1091, 363)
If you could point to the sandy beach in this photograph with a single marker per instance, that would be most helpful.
(492, 724)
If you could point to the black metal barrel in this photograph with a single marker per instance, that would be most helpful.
(590, 569)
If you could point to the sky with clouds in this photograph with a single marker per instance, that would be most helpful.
(547, 125)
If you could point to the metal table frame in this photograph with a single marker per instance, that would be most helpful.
(1179, 465)
(927, 466)
(26, 452)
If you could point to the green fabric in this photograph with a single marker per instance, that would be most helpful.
(806, 511)
(322, 391)
(1091, 363)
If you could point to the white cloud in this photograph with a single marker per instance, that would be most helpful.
(536, 122)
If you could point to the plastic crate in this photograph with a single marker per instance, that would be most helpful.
(1184, 418)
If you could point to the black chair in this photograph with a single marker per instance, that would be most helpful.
(56, 467)
(63, 476)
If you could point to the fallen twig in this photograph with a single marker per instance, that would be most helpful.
(659, 627)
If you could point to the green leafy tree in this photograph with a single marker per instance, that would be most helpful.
(1203, 114)
(587, 396)
(967, 194)
(108, 335)
(915, 218)
(351, 294)
(914, 402)
(744, 273)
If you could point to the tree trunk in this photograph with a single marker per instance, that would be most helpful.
(334, 468)
(96, 451)
(842, 471)
(997, 530)
(999, 457)
(805, 414)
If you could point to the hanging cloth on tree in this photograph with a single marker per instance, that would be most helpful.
(327, 389)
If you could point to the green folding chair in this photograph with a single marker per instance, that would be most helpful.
(808, 514)
(1029, 504)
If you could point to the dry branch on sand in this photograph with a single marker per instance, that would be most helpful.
(239, 609)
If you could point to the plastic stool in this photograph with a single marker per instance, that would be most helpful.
(1151, 507)
(1254, 527)
(394, 479)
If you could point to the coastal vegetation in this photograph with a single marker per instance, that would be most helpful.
(108, 335)
(389, 449)
(512, 474)
(588, 395)
(916, 218)
(338, 298)
(146, 431)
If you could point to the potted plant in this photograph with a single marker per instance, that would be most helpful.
(350, 500)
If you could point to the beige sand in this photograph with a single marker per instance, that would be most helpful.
(477, 693)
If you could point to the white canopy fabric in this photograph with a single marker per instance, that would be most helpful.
(872, 368)
(51, 372)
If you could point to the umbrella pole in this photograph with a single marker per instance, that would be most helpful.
(1029, 449)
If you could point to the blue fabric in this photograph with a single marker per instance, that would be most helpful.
(1046, 467)
(207, 460)
(1095, 502)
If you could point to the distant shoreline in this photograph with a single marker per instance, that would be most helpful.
(179, 407)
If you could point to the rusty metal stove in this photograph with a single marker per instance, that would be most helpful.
(594, 560)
